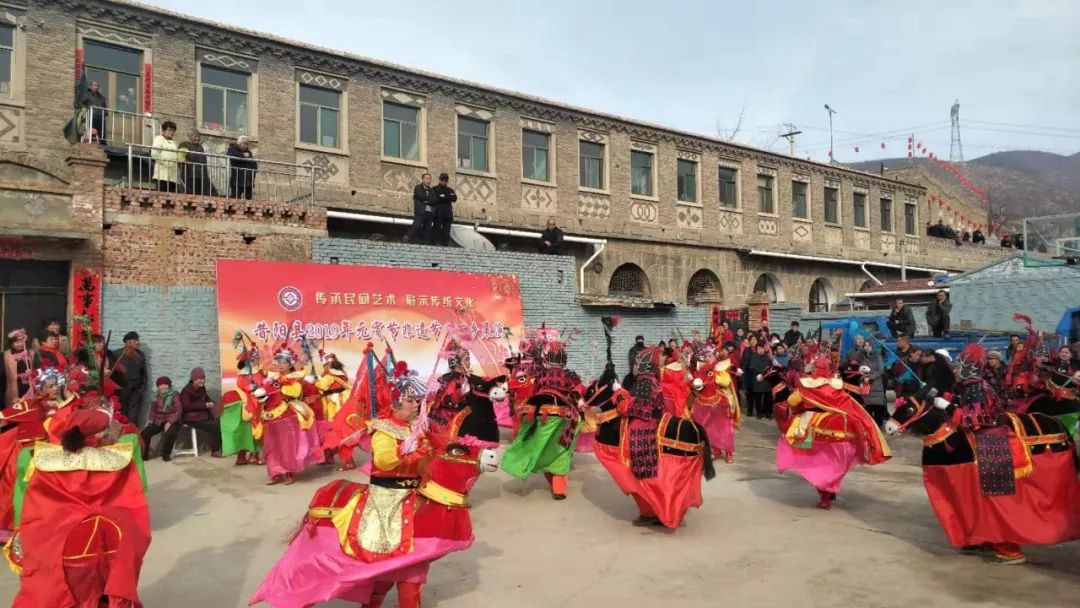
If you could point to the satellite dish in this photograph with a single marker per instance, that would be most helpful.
(470, 239)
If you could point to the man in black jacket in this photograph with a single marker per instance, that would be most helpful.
(901, 320)
(242, 168)
(131, 368)
(422, 210)
(937, 314)
(793, 336)
(551, 239)
(444, 198)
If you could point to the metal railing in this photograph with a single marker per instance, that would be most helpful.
(117, 128)
(219, 175)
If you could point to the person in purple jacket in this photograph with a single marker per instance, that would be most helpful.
(164, 415)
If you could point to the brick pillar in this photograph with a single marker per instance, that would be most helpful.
(87, 162)
(757, 305)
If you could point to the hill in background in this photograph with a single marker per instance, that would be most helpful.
(1024, 183)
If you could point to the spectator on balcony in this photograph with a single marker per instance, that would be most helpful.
(165, 154)
(901, 320)
(422, 197)
(242, 168)
(965, 236)
(444, 198)
(92, 98)
(977, 237)
(937, 314)
(1006, 242)
(551, 239)
(1018, 241)
(193, 166)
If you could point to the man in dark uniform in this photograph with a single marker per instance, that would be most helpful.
(131, 374)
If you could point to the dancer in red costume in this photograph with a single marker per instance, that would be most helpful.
(289, 439)
(357, 542)
(83, 520)
(656, 458)
(824, 431)
(715, 403)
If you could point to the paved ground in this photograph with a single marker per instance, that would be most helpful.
(757, 541)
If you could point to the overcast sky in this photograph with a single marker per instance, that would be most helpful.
(887, 67)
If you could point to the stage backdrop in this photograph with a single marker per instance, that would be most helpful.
(344, 307)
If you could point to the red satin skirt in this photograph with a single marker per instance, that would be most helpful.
(674, 491)
(1045, 509)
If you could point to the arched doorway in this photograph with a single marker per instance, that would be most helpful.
(769, 285)
(704, 288)
(629, 280)
(822, 296)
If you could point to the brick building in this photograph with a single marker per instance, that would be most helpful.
(669, 220)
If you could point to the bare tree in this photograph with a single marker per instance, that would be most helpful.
(730, 136)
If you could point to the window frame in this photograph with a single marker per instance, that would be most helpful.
(881, 212)
(807, 205)
(342, 121)
(736, 205)
(696, 166)
(489, 145)
(838, 220)
(605, 175)
(421, 129)
(15, 77)
(865, 225)
(772, 193)
(652, 194)
(550, 155)
(251, 105)
(914, 206)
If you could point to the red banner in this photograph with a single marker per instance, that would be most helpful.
(86, 302)
(148, 88)
(343, 307)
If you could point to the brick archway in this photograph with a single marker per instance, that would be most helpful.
(704, 288)
(769, 284)
(629, 280)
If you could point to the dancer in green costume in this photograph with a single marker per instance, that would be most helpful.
(550, 417)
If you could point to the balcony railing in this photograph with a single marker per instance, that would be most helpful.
(116, 128)
(219, 175)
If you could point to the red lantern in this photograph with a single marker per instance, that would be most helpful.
(882, 145)
(856, 149)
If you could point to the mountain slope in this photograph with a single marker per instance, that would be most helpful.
(1024, 182)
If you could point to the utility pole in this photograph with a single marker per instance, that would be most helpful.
(831, 112)
(789, 135)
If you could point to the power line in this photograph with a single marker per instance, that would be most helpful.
(1023, 126)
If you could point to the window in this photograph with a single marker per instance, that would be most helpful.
(534, 155)
(472, 144)
(858, 203)
(401, 133)
(641, 165)
(592, 165)
(7, 59)
(770, 286)
(798, 200)
(832, 205)
(319, 116)
(687, 181)
(910, 218)
(224, 99)
(765, 193)
(728, 189)
(886, 215)
(118, 72)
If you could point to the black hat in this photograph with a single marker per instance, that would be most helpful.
(131, 336)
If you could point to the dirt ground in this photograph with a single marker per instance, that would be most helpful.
(757, 541)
